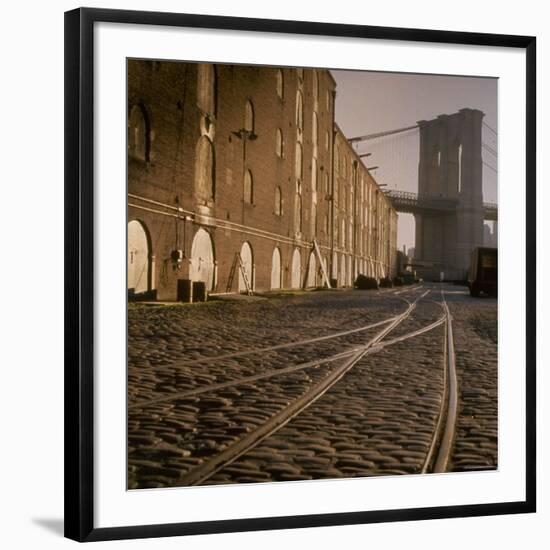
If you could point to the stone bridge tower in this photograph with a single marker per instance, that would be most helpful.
(449, 171)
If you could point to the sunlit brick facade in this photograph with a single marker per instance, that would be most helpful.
(226, 160)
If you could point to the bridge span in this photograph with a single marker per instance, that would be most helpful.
(412, 203)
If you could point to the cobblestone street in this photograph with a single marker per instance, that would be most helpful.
(301, 386)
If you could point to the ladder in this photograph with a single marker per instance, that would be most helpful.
(238, 261)
(321, 264)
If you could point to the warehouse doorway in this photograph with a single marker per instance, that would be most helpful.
(202, 259)
(138, 258)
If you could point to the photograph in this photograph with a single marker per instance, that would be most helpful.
(312, 267)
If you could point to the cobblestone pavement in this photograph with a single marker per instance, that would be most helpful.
(185, 406)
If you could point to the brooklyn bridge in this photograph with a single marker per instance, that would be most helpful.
(448, 208)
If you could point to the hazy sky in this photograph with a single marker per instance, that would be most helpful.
(369, 102)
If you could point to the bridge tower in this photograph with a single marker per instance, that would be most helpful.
(450, 168)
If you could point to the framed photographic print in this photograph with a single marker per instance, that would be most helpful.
(300, 274)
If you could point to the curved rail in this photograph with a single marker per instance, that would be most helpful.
(287, 345)
(444, 433)
(446, 444)
(272, 373)
(207, 469)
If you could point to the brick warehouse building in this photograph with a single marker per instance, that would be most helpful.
(227, 159)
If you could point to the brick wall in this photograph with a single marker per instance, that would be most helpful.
(198, 145)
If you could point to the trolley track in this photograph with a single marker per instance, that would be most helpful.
(207, 469)
(438, 455)
(272, 373)
(275, 353)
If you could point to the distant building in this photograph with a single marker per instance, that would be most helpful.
(227, 161)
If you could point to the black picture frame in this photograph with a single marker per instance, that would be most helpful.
(79, 269)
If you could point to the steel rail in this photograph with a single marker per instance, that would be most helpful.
(205, 470)
(439, 425)
(189, 362)
(272, 373)
(447, 439)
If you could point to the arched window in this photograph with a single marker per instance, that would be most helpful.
(327, 140)
(313, 218)
(299, 160)
(249, 116)
(299, 111)
(138, 133)
(204, 171)
(343, 233)
(327, 185)
(278, 202)
(315, 130)
(337, 159)
(298, 214)
(280, 84)
(279, 144)
(248, 187)
(206, 88)
(344, 196)
(328, 100)
(315, 86)
(314, 174)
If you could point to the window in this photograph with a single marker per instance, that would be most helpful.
(249, 116)
(315, 130)
(313, 218)
(280, 84)
(314, 175)
(344, 196)
(337, 159)
(299, 160)
(300, 74)
(298, 214)
(248, 187)
(299, 111)
(327, 185)
(328, 100)
(315, 86)
(279, 145)
(206, 88)
(278, 202)
(343, 233)
(204, 171)
(138, 134)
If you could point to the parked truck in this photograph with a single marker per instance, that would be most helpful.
(483, 272)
